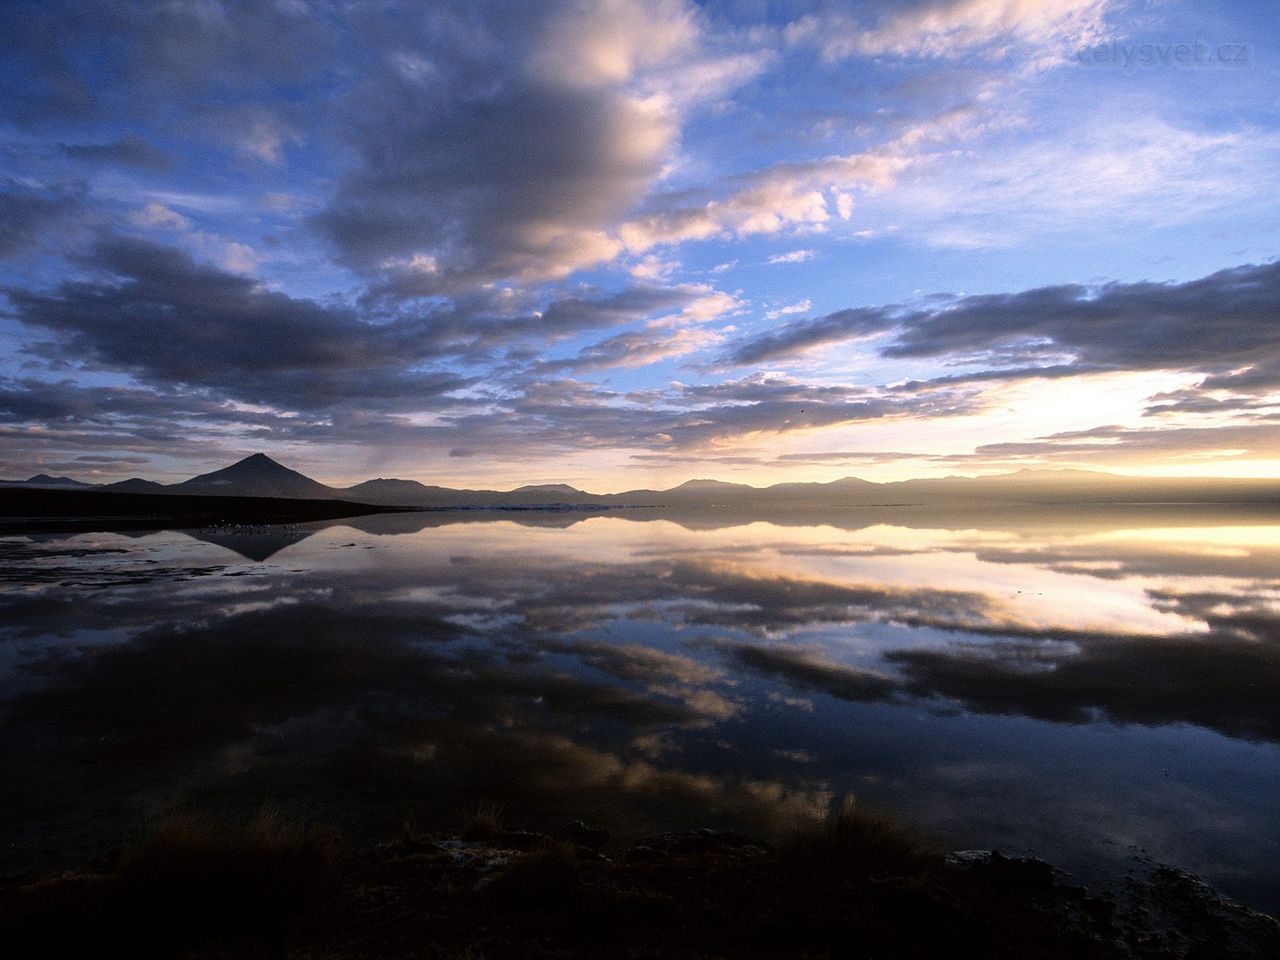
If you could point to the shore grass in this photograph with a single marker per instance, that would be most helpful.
(191, 882)
(855, 884)
(200, 873)
(855, 842)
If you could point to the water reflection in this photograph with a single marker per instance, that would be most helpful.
(1084, 690)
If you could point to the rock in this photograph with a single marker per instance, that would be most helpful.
(578, 832)
(643, 853)
(521, 840)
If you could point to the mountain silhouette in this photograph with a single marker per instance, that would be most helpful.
(260, 476)
(44, 480)
(135, 485)
(256, 476)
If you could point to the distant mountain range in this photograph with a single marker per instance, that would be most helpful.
(260, 476)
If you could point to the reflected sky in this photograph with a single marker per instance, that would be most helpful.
(1085, 692)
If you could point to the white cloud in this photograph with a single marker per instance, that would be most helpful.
(608, 42)
(795, 256)
(802, 306)
(955, 29)
(156, 216)
(793, 196)
(653, 268)
(264, 138)
(1156, 174)
(228, 254)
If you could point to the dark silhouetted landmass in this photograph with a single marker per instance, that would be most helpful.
(260, 476)
(257, 476)
(35, 508)
(135, 485)
(44, 480)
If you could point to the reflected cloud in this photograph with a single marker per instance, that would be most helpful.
(806, 670)
(638, 670)
(1224, 680)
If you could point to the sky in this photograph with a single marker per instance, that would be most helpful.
(625, 243)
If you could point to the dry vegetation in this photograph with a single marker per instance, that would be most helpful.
(857, 884)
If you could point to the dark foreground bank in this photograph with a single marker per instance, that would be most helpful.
(38, 510)
(856, 885)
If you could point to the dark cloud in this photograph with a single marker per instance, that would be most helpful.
(129, 151)
(800, 335)
(195, 337)
(77, 60)
(1117, 444)
(1218, 324)
(583, 415)
(171, 320)
(1217, 321)
(122, 424)
(27, 215)
(808, 670)
(1221, 680)
(480, 158)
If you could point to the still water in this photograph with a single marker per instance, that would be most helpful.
(1090, 691)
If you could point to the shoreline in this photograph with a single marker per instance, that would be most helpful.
(50, 511)
(856, 884)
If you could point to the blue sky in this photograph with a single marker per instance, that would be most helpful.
(625, 243)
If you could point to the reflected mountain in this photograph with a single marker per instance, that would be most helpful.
(253, 543)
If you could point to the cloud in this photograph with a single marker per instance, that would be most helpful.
(1214, 681)
(783, 197)
(951, 29)
(168, 319)
(27, 215)
(796, 337)
(1115, 326)
(128, 151)
(802, 306)
(1122, 325)
(800, 197)
(82, 60)
(795, 256)
(1125, 445)
(543, 133)
(157, 216)
(804, 669)
(639, 348)
(255, 132)
(208, 327)
(178, 325)
(1031, 180)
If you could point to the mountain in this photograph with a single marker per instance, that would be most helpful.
(260, 476)
(555, 489)
(135, 485)
(404, 493)
(256, 476)
(44, 480)
(387, 491)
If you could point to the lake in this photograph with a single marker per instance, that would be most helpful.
(1087, 688)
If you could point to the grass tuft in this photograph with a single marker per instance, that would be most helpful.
(483, 824)
(540, 879)
(195, 878)
(858, 843)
